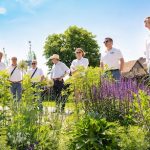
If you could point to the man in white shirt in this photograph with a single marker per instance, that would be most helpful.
(113, 59)
(15, 78)
(147, 53)
(59, 70)
(35, 73)
(79, 61)
(2, 65)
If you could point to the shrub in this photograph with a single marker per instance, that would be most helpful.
(111, 100)
(92, 133)
(133, 138)
(25, 118)
(48, 138)
(3, 139)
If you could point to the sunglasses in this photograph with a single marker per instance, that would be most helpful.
(33, 63)
(78, 52)
(106, 42)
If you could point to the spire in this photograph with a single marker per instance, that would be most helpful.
(31, 54)
(6, 60)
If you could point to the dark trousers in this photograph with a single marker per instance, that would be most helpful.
(115, 74)
(16, 90)
(59, 98)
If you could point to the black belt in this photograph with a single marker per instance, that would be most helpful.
(114, 70)
(107, 71)
(56, 79)
(15, 81)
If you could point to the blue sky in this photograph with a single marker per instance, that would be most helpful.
(24, 20)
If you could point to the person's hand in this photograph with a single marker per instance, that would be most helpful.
(121, 72)
(60, 79)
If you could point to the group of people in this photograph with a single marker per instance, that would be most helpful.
(113, 60)
(58, 72)
(15, 75)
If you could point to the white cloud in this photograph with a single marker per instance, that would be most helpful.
(30, 5)
(3, 10)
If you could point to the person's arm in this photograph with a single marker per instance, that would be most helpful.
(42, 75)
(121, 64)
(101, 62)
(87, 63)
(66, 70)
(121, 59)
(147, 51)
(72, 67)
(51, 73)
(102, 65)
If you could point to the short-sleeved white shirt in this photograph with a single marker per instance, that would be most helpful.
(79, 62)
(17, 74)
(148, 48)
(37, 76)
(2, 66)
(111, 58)
(59, 70)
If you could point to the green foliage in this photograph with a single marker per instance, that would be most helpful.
(66, 43)
(24, 125)
(93, 134)
(133, 138)
(83, 81)
(3, 139)
(141, 109)
(21, 125)
(48, 139)
(22, 65)
(25, 118)
(5, 98)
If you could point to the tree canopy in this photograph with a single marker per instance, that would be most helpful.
(65, 44)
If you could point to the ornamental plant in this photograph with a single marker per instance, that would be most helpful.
(26, 118)
(92, 133)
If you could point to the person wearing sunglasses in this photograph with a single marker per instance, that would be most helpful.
(79, 61)
(2, 65)
(113, 59)
(37, 76)
(147, 52)
(35, 73)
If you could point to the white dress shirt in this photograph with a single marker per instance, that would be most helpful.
(37, 76)
(17, 74)
(59, 70)
(148, 49)
(2, 66)
(79, 62)
(111, 59)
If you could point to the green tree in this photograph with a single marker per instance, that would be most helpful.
(66, 43)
